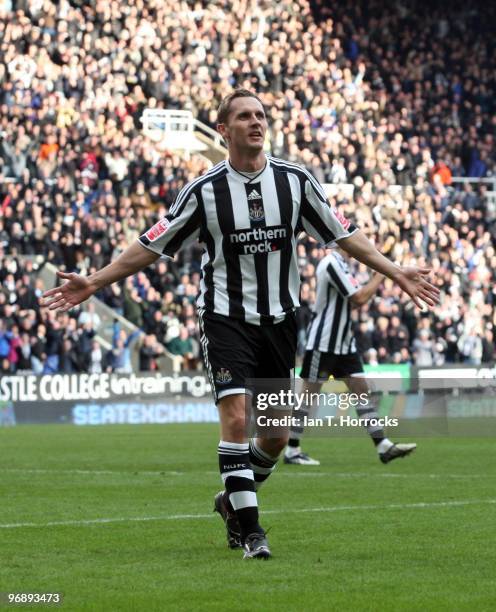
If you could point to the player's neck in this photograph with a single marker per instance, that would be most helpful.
(247, 163)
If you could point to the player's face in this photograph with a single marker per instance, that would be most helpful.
(246, 125)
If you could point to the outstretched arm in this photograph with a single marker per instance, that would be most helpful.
(412, 280)
(363, 295)
(78, 288)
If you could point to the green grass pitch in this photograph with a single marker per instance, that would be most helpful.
(120, 518)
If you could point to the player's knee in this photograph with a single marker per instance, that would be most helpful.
(236, 426)
(274, 446)
(232, 416)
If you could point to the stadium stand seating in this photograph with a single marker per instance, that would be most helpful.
(403, 123)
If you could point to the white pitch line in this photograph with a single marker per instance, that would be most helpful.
(180, 517)
(95, 472)
(377, 475)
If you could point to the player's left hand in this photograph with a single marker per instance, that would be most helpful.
(414, 281)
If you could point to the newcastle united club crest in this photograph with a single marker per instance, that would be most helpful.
(223, 376)
(256, 211)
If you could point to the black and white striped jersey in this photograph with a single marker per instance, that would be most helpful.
(330, 328)
(248, 224)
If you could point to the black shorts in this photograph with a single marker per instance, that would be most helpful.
(318, 366)
(235, 351)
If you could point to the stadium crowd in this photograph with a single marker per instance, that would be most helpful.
(395, 118)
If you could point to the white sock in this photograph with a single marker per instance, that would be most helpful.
(384, 445)
(292, 451)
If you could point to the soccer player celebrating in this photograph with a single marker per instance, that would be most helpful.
(247, 211)
(331, 351)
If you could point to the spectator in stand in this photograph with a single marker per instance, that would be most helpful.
(423, 349)
(96, 358)
(24, 354)
(90, 316)
(158, 326)
(488, 348)
(182, 346)
(68, 362)
(134, 305)
(119, 357)
(149, 351)
(470, 347)
(5, 337)
(397, 336)
(363, 336)
(83, 340)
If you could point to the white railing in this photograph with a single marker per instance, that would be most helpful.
(472, 179)
(212, 134)
(178, 129)
(490, 194)
(171, 129)
(159, 122)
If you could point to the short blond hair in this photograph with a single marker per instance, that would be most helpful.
(225, 105)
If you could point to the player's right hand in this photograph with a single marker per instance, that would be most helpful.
(75, 290)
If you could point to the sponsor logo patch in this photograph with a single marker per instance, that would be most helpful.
(158, 229)
(341, 218)
(259, 240)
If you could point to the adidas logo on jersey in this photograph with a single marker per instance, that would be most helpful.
(254, 195)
